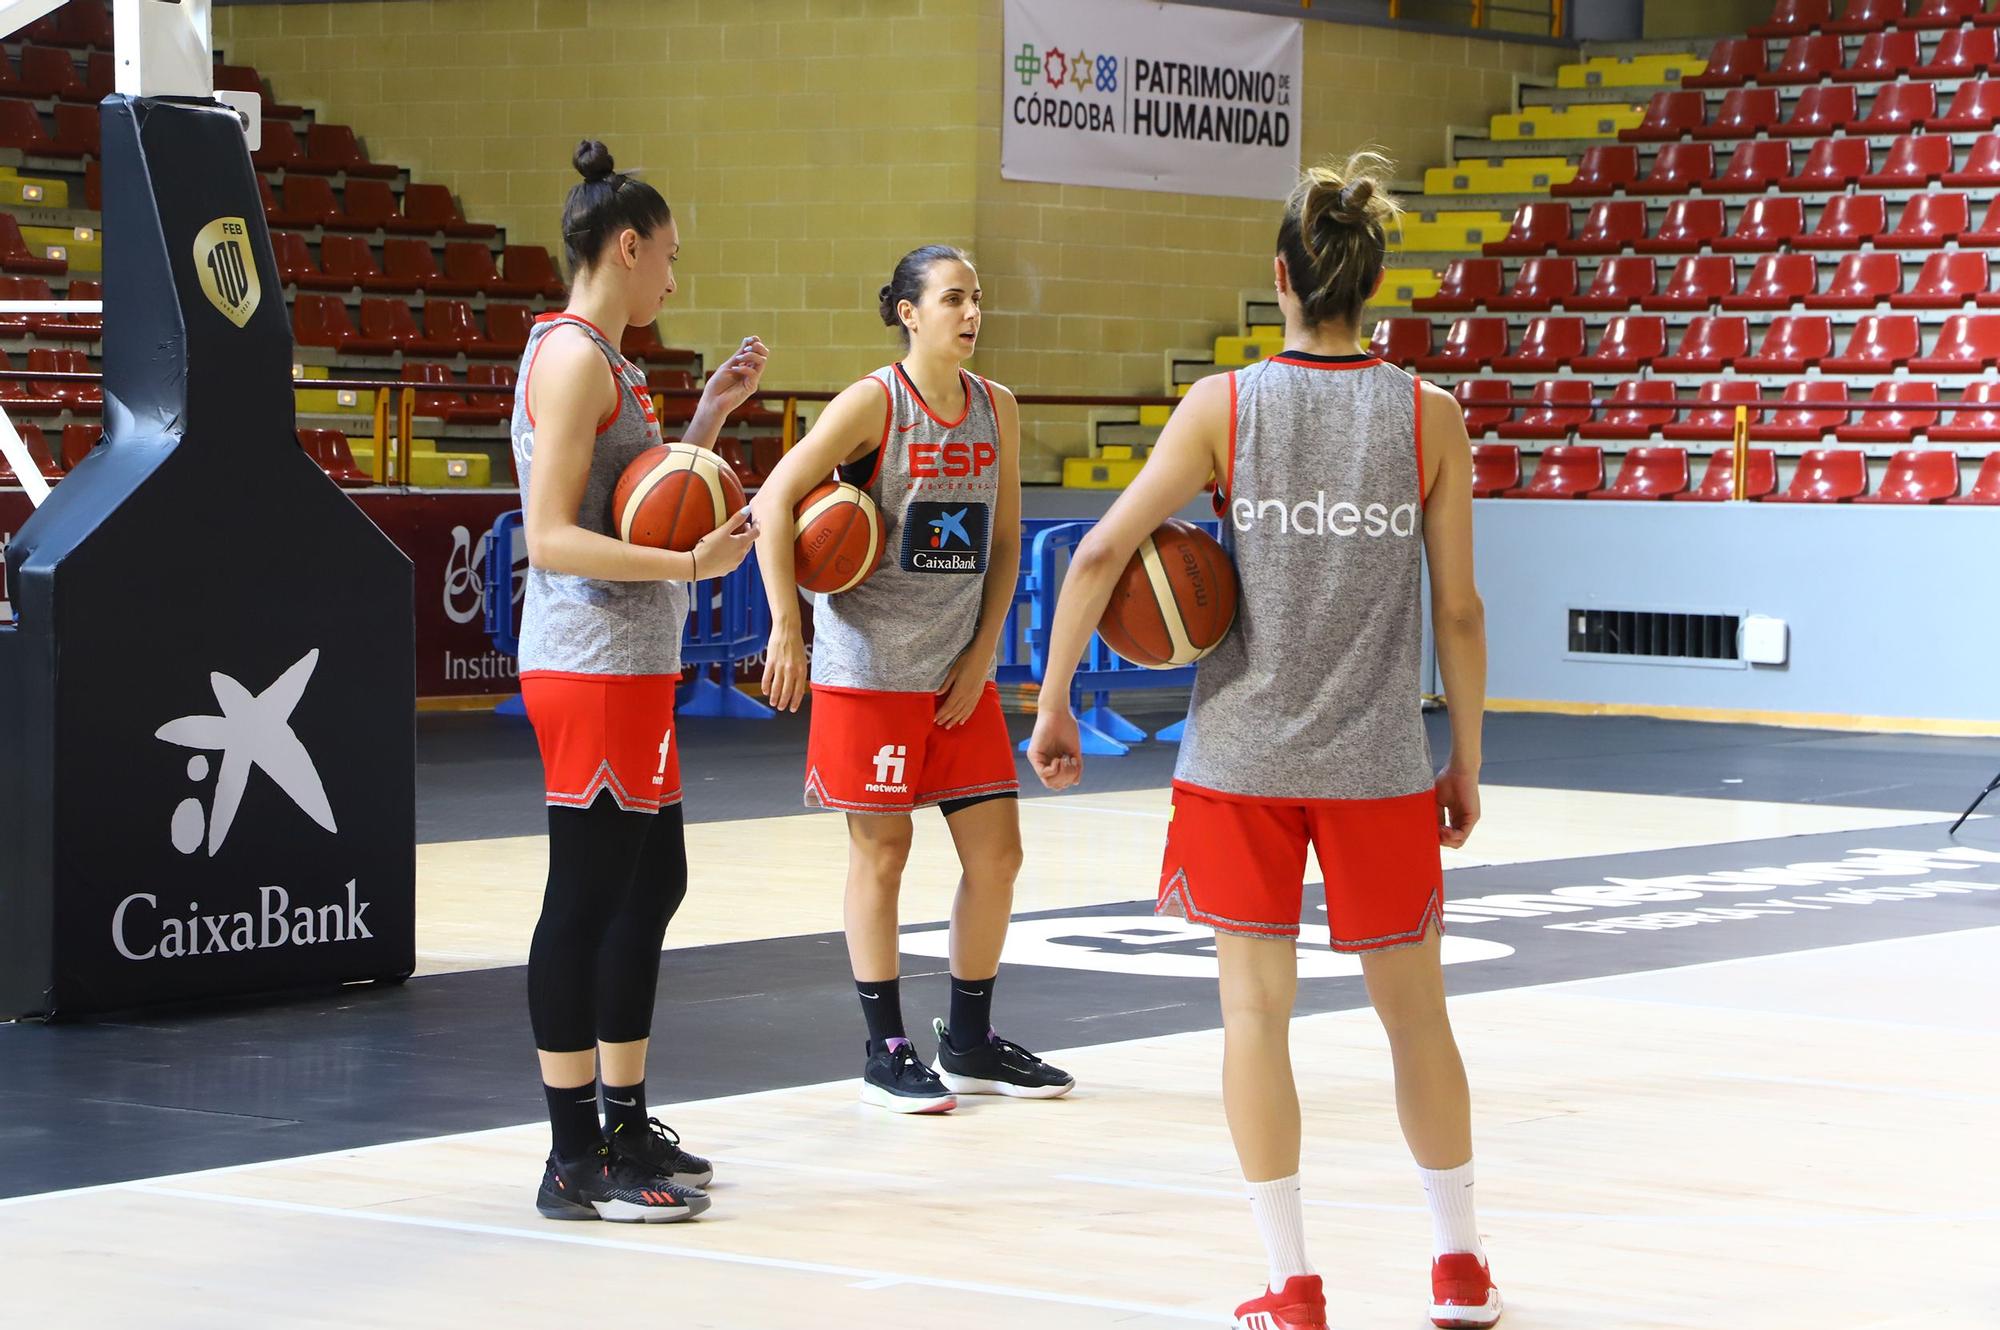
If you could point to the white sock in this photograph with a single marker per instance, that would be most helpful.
(1281, 1222)
(1448, 1191)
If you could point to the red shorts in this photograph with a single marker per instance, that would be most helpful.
(1237, 864)
(606, 732)
(873, 752)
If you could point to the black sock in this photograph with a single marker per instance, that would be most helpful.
(971, 1012)
(625, 1106)
(573, 1130)
(882, 1006)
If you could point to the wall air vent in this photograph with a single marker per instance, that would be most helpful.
(1660, 635)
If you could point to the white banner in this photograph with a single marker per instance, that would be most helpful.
(1139, 95)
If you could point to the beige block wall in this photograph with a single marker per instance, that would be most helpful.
(805, 144)
(1703, 18)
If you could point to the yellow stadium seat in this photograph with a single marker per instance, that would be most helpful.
(1154, 417)
(1232, 352)
(1569, 122)
(83, 246)
(1643, 71)
(32, 191)
(1115, 452)
(428, 468)
(1449, 232)
(1093, 473)
(1500, 175)
(1402, 285)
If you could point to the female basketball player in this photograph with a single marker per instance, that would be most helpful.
(1339, 475)
(905, 713)
(600, 654)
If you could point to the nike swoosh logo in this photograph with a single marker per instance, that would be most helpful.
(622, 1103)
(871, 995)
(973, 992)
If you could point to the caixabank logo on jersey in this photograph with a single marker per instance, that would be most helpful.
(945, 537)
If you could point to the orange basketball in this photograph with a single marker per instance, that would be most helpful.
(837, 538)
(672, 495)
(1175, 600)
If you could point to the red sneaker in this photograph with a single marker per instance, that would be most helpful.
(1300, 1305)
(1462, 1292)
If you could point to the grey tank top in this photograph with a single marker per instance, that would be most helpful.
(936, 483)
(1315, 693)
(580, 625)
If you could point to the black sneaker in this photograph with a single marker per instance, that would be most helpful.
(610, 1186)
(657, 1148)
(995, 1066)
(896, 1080)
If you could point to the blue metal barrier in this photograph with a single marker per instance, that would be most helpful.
(497, 589)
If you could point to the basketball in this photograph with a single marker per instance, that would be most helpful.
(672, 495)
(1175, 600)
(837, 538)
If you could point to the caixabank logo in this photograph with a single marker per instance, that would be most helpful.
(1100, 92)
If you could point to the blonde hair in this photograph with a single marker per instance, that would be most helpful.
(1335, 234)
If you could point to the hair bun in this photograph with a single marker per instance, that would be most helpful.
(887, 302)
(592, 160)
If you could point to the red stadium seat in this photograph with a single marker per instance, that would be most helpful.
(1620, 284)
(345, 262)
(64, 327)
(1914, 161)
(1678, 168)
(529, 272)
(1831, 166)
(295, 262)
(1698, 282)
(1670, 116)
(1732, 62)
(1982, 165)
(1556, 408)
(1900, 425)
(1565, 472)
(82, 25)
(1826, 475)
(1496, 468)
(1820, 111)
(1630, 417)
(1399, 341)
(48, 72)
(1470, 344)
(1917, 475)
(1467, 285)
(387, 326)
(1975, 109)
(1718, 482)
(437, 405)
(1744, 114)
(1538, 228)
(16, 257)
(1768, 224)
(1986, 487)
(1753, 168)
(329, 448)
(469, 266)
(1967, 53)
(1690, 225)
(1862, 281)
(1605, 169)
(1487, 403)
(1977, 417)
(1948, 281)
(280, 149)
(1850, 221)
(1793, 344)
(77, 133)
(1717, 418)
(1942, 13)
(1791, 17)
(407, 265)
(486, 408)
(77, 442)
(31, 435)
(1648, 473)
(308, 202)
(1878, 345)
(83, 399)
(333, 148)
(16, 325)
(1540, 285)
(1610, 227)
(321, 321)
(507, 328)
(244, 78)
(1709, 345)
(1867, 16)
(1928, 222)
(680, 410)
(368, 205)
(1548, 343)
(1988, 234)
(1630, 342)
(1898, 109)
(1808, 58)
(1883, 57)
(449, 326)
(1798, 421)
(429, 209)
(21, 128)
(641, 342)
(1967, 344)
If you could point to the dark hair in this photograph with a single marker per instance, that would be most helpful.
(1334, 236)
(907, 282)
(605, 204)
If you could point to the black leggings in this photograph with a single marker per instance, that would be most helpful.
(615, 880)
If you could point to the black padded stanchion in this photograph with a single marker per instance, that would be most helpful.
(207, 704)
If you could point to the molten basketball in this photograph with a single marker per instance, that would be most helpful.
(672, 495)
(1175, 600)
(837, 538)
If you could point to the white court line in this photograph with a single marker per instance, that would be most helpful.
(862, 1277)
(1566, 1216)
(1813, 1083)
